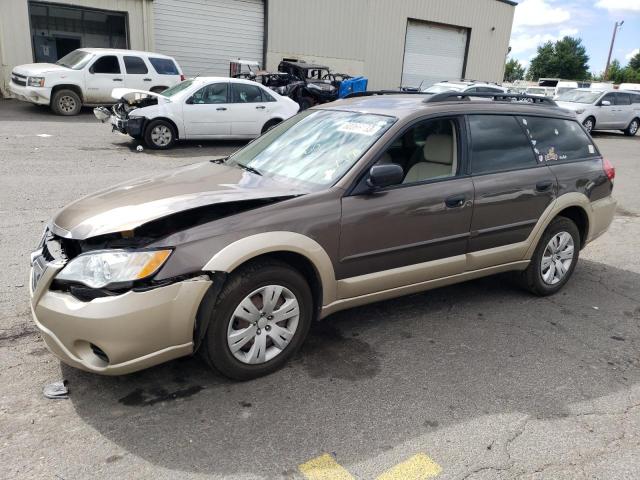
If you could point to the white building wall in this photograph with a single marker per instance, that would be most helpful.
(367, 37)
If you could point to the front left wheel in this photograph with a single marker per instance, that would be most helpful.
(260, 319)
(160, 135)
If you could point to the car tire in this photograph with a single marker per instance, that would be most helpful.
(160, 135)
(589, 123)
(305, 102)
(66, 102)
(269, 125)
(553, 264)
(257, 353)
(633, 127)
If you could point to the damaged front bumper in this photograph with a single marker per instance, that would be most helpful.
(117, 334)
(132, 126)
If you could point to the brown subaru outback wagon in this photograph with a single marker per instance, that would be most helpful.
(353, 202)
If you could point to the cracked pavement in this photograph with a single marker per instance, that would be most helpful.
(488, 381)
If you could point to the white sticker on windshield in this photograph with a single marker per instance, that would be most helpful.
(360, 128)
(591, 149)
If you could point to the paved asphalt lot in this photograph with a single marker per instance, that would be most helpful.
(480, 378)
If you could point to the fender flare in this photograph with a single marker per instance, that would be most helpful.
(243, 250)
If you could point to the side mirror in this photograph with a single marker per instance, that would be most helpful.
(381, 176)
(605, 103)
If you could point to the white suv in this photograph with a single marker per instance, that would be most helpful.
(604, 110)
(88, 75)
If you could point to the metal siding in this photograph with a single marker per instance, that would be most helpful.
(368, 36)
(432, 53)
(203, 35)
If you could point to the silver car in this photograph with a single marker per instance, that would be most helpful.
(604, 110)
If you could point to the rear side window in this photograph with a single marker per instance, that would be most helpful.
(558, 140)
(635, 98)
(106, 64)
(245, 93)
(623, 99)
(498, 144)
(164, 66)
(135, 65)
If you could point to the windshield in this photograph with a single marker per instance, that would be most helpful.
(562, 90)
(75, 60)
(437, 88)
(177, 88)
(579, 96)
(313, 149)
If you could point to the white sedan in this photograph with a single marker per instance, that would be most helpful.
(200, 108)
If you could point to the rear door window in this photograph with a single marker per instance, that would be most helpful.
(245, 93)
(635, 98)
(498, 143)
(623, 99)
(106, 64)
(558, 140)
(135, 65)
(164, 66)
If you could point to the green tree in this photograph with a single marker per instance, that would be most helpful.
(566, 58)
(615, 73)
(634, 63)
(513, 71)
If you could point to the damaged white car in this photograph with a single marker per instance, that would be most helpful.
(196, 109)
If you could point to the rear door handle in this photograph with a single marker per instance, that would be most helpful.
(455, 201)
(117, 79)
(544, 185)
(221, 109)
(260, 107)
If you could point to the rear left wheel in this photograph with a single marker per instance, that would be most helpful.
(632, 129)
(260, 319)
(554, 259)
(269, 125)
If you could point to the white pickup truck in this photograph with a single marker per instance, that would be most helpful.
(87, 76)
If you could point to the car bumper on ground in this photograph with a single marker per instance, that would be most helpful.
(119, 334)
(37, 95)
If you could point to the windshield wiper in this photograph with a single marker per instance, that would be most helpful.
(249, 169)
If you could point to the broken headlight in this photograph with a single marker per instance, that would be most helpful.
(101, 268)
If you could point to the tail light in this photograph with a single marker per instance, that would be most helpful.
(609, 169)
(182, 77)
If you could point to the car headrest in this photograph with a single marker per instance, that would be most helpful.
(438, 148)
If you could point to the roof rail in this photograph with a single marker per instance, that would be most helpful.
(370, 93)
(499, 97)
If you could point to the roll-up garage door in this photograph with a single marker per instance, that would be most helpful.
(203, 35)
(433, 53)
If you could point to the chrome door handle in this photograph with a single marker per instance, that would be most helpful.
(221, 109)
(260, 107)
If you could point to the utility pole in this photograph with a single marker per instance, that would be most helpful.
(613, 39)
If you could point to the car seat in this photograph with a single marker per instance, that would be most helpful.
(438, 160)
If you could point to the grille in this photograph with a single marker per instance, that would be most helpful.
(19, 79)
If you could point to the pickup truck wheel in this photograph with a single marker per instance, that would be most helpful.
(66, 102)
(554, 259)
(260, 319)
(160, 135)
(632, 129)
(589, 123)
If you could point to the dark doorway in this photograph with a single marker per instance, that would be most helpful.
(66, 45)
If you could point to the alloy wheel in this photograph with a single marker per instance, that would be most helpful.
(588, 124)
(557, 258)
(633, 128)
(67, 103)
(263, 324)
(161, 135)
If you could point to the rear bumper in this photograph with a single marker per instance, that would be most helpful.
(134, 330)
(37, 95)
(602, 213)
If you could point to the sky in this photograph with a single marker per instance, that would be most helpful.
(538, 21)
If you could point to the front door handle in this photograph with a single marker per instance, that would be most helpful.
(260, 107)
(117, 79)
(544, 185)
(455, 201)
(146, 79)
(221, 109)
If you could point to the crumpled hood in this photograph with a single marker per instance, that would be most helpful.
(132, 204)
(131, 94)
(35, 69)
